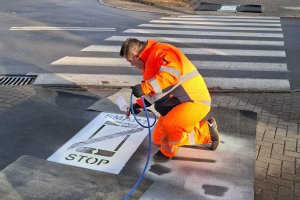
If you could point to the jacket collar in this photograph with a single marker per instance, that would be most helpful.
(145, 53)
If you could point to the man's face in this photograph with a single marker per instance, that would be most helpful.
(136, 61)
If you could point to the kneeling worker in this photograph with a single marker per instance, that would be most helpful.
(178, 92)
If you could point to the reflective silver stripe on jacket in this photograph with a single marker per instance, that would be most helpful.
(171, 144)
(208, 103)
(164, 139)
(152, 99)
(167, 148)
(170, 70)
(175, 143)
(154, 83)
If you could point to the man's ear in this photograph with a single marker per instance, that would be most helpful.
(134, 53)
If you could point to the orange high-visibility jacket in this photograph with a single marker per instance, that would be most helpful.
(170, 78)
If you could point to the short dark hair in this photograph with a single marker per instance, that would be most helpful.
(129, 45)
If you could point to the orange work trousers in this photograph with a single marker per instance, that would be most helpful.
(171, 130)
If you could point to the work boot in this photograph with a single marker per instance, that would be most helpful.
(214, 133)
(160, 157)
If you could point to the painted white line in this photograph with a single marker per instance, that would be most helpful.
(196, 40)
(248, 84)
(204, 33)
(129, 80)
(54, 28)
(231, 17)
(233, 52)
(220, 65)
(199, 51)
(86, 79)
(211, 27)
(102, 48)
(92, 61)
(221, 19)
(243, 66)
(215, 23)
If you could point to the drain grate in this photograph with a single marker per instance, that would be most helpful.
(17, 79)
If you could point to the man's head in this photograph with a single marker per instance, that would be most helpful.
(131, 50)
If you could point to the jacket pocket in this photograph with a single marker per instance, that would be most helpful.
(171, 100)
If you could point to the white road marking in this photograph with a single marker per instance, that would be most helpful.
(197, 40)
(205, 33)
(129, 80)
(92, 61)
(243, 66)
(102, 48)
(221, 19)
(263, 28)
(54, 28)
(230, 17)
(198, 51)
(249, 84)
(215, 23)
(220, 65)
(235, 28)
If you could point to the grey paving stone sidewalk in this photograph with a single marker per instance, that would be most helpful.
(11, 96)
(277, 137)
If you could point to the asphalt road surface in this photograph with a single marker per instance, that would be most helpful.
(83, 37)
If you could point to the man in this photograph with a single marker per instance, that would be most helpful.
(178, 92)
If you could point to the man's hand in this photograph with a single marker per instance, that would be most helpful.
(136, 109)
(137, 90)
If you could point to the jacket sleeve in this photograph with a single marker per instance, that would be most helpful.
(169, 72)
(147, 103)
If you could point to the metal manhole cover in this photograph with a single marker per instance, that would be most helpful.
(17, 79)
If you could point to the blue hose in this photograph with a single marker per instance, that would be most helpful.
(146, 112)
(149, 147)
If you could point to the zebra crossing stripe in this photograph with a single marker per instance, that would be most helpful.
(129, 80)
(243, 66)
(197, 40)
(198, 51)
(222, 19)
(233, 52)
(102, 48)
(211, 27)
(92, 61)
(215, 23)
(229, 17)
(248, 84)
(205, 33)
(221, 65)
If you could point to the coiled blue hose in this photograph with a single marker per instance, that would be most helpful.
(149, 147)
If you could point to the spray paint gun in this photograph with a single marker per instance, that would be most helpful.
(123, 106)
(128, 112)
